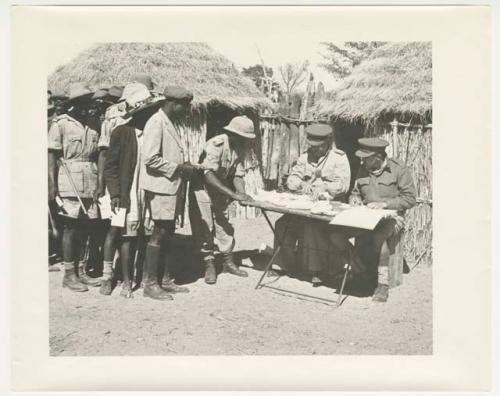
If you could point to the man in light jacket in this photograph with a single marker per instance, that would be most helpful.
(164, 166)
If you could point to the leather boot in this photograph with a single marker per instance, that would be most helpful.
(381, 293)
(72, 282)
(127, 290)
(87, 280)
(210, 272)
(169, 285)
(230, 267)
(151, 287)
(106, 287)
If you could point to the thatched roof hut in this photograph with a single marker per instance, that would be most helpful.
(395, 81)
(211, 76)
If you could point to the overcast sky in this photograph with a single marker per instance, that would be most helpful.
(242, 53)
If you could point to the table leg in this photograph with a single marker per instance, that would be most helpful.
(344, 279)
(276, 252)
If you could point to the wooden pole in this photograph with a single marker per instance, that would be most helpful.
(394, 125)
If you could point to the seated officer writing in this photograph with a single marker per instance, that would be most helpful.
(382, 183)
(323, 172)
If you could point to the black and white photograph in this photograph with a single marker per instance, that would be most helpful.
(240, 197)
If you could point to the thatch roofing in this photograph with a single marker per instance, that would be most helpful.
(395, 80)
(211, 76)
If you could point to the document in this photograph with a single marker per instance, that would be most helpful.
(118, 218)
(361, 217)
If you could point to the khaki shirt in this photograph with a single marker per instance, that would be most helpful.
(331, 171)
(78, 144)
(112, 118)
(394, 185)
(221, 159)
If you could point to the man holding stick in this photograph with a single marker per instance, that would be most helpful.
(73, 181)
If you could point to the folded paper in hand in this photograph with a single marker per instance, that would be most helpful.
(118, 218)
(361, 217)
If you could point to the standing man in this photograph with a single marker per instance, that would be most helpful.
(164, 168)
(122, 179)
(223, 182)
(323, 171)
(73, 177)
(382, 183)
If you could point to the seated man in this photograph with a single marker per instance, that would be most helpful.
(381, 183)
(323, 172)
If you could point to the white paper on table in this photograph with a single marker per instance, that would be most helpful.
(105, 206)
(361, 217)
(118, 218)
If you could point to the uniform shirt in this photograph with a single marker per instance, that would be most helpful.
(221, 159)
(78, 144)
(331, 171)
(112, 118)
(393, 185)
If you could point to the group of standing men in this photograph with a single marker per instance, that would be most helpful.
(140, 163)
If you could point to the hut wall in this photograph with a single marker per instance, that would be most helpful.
(412, 144)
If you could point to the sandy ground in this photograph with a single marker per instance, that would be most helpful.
(232, 318)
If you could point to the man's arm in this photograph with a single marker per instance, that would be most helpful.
(151, 150)
(53, 170)
(212, 180)
(407, 194)
(340, 180)
(294, 181)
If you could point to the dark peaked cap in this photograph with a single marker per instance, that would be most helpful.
(177, 93)
(370, 146)
(317, 134)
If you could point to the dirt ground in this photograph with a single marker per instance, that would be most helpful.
(232, 318)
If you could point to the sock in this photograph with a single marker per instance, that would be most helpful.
(68, 267)
(107, 270)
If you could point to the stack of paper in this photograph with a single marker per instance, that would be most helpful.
(361, 217)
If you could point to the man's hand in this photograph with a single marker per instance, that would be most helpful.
(317, 191)
(52, 192)
(98, 193)
(187, 170)
(115, 204)
(242, 197)
(377, 205)
(306, 188)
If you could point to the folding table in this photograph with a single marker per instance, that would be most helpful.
(265, 207)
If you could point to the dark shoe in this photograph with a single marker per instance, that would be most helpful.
(316, 281)
(87, 280)
(154, 291)
(126, 290)
(72, 282)
(106, 287)
(210, 272)
(230, 267)
(381, 293)
(168, 285)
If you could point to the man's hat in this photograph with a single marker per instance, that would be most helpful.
(138, 98)
(371, 146)
(101, 93)
(79, 91)
(115, 91)
(317, 134)
(243, 126)
(145, 79)
(173, 92)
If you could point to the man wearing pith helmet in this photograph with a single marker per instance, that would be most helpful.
(222, 183)
(381, 183)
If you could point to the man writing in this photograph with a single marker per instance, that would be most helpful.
(321, 172)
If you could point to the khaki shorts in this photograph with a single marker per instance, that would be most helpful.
(133, 228)
(162, 207)
(73, 209)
